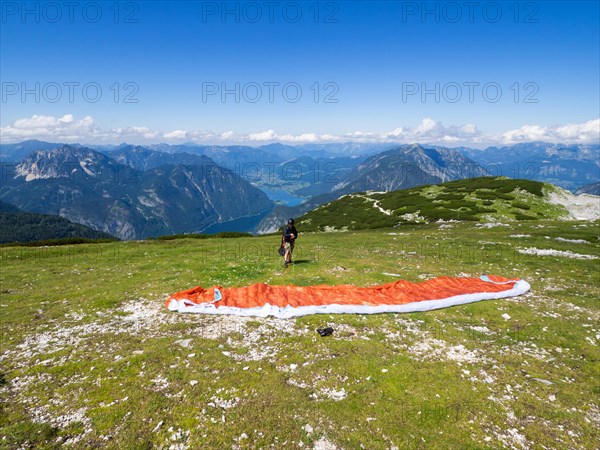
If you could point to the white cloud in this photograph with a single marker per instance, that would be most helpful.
(268, 135)
(177, 134)
(428, 126)
(227, 135)
(48, 127)
(133, 133)
(429, 131)
(587, 133)
(306, 137)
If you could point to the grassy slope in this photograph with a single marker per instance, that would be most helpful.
(94, 371)
(473, 199)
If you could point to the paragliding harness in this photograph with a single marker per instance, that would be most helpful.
(281, 249)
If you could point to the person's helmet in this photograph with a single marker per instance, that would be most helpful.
(290, 221)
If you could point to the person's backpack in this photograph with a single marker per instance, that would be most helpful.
(281, 249)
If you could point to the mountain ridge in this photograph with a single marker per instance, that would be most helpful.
(89, 188)
(17, 226)
(407, 166)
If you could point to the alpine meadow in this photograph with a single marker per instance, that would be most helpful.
(325, 225)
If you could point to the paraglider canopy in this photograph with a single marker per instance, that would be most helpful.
(263, 300)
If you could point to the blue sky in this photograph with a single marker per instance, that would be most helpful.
(374, 58)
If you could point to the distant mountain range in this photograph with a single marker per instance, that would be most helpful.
(142, 158)
(273, 166)
(592, 189)
(16, 152)
(567, 166)
(407, 166)
(138, 191)
(89, 188)
(23, 227)
(301, 177)
(399, 168)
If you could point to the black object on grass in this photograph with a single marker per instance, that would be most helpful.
(325, 331)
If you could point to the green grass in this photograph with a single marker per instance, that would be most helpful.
(475, 200)
(455, 378)
(222, 234)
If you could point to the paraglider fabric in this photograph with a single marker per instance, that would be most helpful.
(286, 301)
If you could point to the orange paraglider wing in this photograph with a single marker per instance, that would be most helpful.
(284, 301)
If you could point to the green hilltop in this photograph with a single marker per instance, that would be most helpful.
(474, 199)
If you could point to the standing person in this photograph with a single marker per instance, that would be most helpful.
(289, 238)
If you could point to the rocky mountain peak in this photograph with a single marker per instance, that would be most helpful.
(63, 162)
